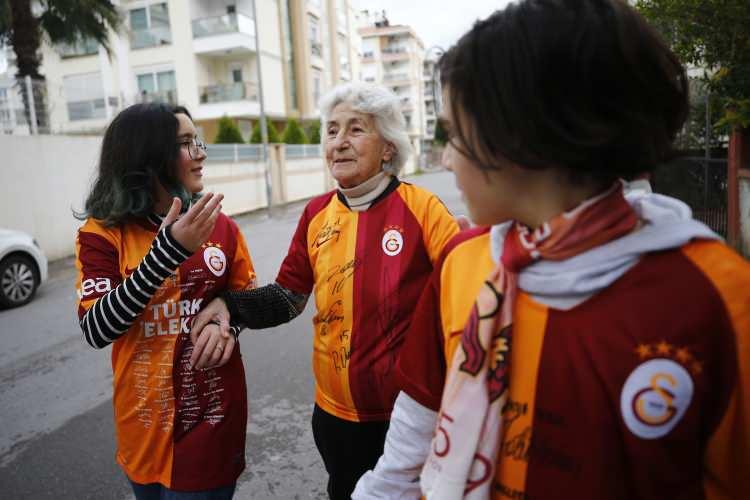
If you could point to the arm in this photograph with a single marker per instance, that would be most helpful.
(396, 475)
(113, 310)
(105, 313)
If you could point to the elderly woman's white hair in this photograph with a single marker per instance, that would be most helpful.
(385, 108)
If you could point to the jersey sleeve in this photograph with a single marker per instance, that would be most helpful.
(242, 275)
(727, 457)
(296, 273)
(108, 305)
(439, 226)
(421, 367)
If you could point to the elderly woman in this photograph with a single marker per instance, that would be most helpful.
(365, 250)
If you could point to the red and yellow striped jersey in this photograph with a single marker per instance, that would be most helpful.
(368, 269)
(182, 428)
(641, 391)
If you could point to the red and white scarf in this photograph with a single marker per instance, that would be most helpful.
(461, 462)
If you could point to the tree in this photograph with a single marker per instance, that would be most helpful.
(273, 134)
(313, 132)
(61, 21)
(713, 35)
(293, 133)
(229, 132)
(441, 137)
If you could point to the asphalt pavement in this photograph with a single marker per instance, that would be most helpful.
(56, 432)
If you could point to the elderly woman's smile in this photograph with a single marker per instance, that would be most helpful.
(355, 150)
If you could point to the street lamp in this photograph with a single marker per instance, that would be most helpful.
(263, 126)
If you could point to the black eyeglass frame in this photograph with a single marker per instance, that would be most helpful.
(193, 146)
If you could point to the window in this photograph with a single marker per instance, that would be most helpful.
(158, 86)
(149, 26)
(317, 77)
(231, 9)
(84, 96)
(315, 46)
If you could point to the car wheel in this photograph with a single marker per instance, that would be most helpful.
(18, 281)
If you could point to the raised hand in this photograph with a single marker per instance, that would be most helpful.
(194, 227)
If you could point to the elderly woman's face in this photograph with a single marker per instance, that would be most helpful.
(355, 151)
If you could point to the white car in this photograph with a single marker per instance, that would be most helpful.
(23, 267)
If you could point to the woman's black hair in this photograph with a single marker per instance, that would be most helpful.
(586, 85)
(139, 149)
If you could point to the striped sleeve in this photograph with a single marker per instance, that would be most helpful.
(113, 306)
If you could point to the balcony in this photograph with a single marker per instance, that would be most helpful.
(316, 48)
(86, 47)
(397, 79)
(91, 109)
(239, 91)
(406, 104)
(163, 96)
(222, 35)
(394, 53)
(151, 37)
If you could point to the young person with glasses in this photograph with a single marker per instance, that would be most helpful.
(585, 342)
(150, 255)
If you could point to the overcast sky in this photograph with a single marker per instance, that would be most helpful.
(436, 22)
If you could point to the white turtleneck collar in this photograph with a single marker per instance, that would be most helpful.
(361, 196)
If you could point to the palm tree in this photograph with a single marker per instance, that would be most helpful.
(62, 21)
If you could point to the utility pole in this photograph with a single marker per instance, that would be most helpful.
(263, 126)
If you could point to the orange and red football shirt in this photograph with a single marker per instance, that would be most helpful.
(367, 269)
(641, 391)
(140, 290)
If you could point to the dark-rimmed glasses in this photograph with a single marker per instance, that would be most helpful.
(194, 147)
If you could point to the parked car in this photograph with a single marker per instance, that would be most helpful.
(23, 267)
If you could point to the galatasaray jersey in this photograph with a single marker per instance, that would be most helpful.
(368, 269)
(641, 391)
(179, 427)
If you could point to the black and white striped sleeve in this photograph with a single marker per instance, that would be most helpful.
(113, 313)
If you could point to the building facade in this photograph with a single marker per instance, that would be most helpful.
(203, 54)
(394, 56)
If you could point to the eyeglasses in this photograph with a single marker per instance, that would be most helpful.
(194, 148)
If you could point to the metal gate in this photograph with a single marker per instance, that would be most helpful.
(699, 182)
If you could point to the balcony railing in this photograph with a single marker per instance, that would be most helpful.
(224, 92)
(89, 110)
(165, 96)
(394, 50)
(219, 25)
(316, 48)
(392, 77)
(151, 37)
(87, 47)
(303, 150)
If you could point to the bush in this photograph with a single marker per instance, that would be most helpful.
(229, 132)
(273, 134)
(293, 133)
(314, 132)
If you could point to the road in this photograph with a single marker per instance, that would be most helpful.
(57, 438)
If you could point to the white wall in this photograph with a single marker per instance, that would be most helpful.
(45, 177)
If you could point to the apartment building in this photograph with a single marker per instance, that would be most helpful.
(431, 97)
(394, 56)
(203, 54)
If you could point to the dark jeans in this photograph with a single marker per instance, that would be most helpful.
(349, 449)
(156, 491)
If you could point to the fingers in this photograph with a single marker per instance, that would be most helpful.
(207, 355)
(197, 207)
(228, 349)
(172, 214)
(463, 222)
(199, 322)
(199, 345)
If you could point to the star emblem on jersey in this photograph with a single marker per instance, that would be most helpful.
(215, 259)
(393, 241)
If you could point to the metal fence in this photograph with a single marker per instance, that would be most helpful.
(303, 150)
(254, 152)
(699, 182)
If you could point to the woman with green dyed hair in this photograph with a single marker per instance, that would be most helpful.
(144, 272)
